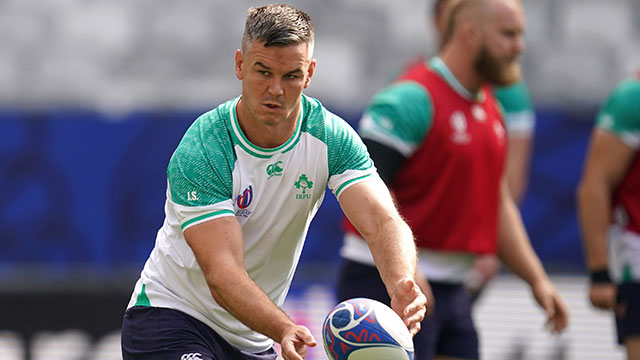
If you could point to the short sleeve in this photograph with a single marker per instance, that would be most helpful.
(398, 117)
(199, 176)
(518, 109)
(620, 113)
(347, 156)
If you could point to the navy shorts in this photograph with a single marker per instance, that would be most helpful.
(151, 333)
(628, 311)
(449, 331)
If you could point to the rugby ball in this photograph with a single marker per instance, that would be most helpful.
(366, 329)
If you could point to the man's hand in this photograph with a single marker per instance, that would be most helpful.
(410, 303)
(550, 300)
(603, 295)
(484, 268)
(422, 282)
(295, 341)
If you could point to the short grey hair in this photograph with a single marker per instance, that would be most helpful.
(277, 25)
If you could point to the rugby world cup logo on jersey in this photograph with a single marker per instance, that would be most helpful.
(243, 201)
(458, 124)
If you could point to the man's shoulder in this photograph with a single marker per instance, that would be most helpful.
(312, 108)
(625, 99)
(220, 116)
(213, 123)
(318, 120)
(208, 136)
(620, 113)
(514, 98)
(627, 90)
(403, 93)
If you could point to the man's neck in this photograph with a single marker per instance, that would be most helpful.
(461, 66)
(264, 135)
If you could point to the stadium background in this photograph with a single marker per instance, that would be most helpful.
(95, 95)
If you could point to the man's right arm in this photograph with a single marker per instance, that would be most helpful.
(219, 249)
(369, 207)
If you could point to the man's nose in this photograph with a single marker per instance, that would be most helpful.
(275, 86)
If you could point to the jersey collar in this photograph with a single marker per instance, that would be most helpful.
(246, 145)
(441, 68)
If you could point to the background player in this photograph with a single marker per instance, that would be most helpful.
(519, 119)
(243, 186)
(438, 139)
(609, 209)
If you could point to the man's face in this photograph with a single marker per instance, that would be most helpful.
(498, 57)
(273, 79)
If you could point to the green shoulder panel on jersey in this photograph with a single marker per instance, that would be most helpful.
(200, 170)
(620, 113)
(517, 108)
(346, 151)
(399, 116)
(514, 98)
(623, 106)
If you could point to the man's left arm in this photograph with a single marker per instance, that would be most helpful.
(518, 163)
(520, 119)
(515, 250)
(370, 208)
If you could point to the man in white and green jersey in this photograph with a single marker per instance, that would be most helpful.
(609, 209)
(243, 186)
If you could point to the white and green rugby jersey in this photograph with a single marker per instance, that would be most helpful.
(274, 193)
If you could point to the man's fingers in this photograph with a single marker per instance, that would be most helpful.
(412, 308)
(289, 352)
(415, 318)
(294, 346)
(415, 328)
(407, 288)
(562, 315)
(309, 340)
(557, 316)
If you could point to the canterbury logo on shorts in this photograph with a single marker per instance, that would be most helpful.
(192, 356)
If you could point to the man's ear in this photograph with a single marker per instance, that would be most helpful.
(472, 35)
(310, 71)
(239, 63)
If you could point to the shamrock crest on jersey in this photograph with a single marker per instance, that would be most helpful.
(303, 183)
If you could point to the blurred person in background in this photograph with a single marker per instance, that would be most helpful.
(242, 188)
(438, 139)
(519, 120)
(609, 211)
